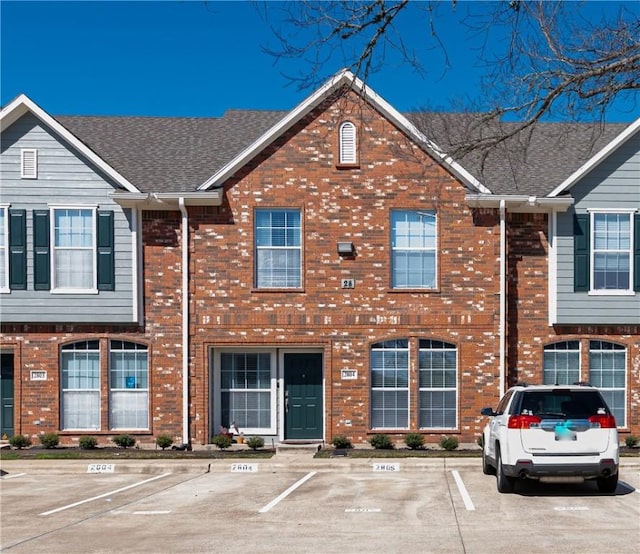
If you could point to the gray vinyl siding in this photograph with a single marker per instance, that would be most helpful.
(615, 183)
(64, 176)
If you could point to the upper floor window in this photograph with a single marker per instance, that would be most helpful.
(278, 240)
(80, 384)
(390, 384)
(561, 365)
(74, 249)
(413, 249)
(438, 365)
(606, 253)
(128, 385)
(608, 371)
(29, 163)
(4, 257)
(348, 145)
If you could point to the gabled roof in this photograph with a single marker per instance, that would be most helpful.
(23, 105)
(340, 80)
(603, 154)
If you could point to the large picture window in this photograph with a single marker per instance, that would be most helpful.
(561, 365)
(74, 249)
(413, 249)
(278, 249)
(607, 371)
(80, 383)
(390, 384)
(246, 390)
(128, 385)
(438, 366)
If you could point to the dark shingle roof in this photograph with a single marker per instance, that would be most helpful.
(164, 154)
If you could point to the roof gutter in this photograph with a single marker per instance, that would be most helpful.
(519, 203)
(186, 439)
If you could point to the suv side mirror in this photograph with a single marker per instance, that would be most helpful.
(487, 412)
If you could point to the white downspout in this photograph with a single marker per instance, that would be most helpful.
(503, 292)
(186, 439)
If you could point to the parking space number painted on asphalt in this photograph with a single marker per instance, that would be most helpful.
(101, 468)
(244, 468)
(386, 467)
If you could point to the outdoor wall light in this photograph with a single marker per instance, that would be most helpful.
(346, 249)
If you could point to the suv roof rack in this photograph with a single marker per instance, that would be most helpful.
(582, 384)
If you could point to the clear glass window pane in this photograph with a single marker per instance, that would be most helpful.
(607, 371)
(438, 363)
(413, 249)
(80, 383)
(561, 363)
(278, 249)
(390, 384)
(73, 248)
(612, 251)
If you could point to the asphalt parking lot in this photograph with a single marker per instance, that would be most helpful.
(371, 506)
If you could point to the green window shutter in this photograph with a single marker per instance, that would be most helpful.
(106, 262)
(41, 250)
(581, 242)
(17, 249)
(636, 252)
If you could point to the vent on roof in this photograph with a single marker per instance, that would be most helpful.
(348, 143)
(29, 163)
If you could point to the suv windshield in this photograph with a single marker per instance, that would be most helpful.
(560, 403)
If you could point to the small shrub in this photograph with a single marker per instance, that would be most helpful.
(632, 441)
(222, 441)
(340, 441)
(87, 443)
(415, 441)
(381, 442)
(449, 443)
(255, 442)
(124, 441)
(164, 441)
(20, 441)
(49, 440)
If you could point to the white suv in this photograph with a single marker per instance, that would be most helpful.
(553, 433)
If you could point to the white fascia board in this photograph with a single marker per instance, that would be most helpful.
(595, 160)
(341, 78)
(520, 203)
(22, 104)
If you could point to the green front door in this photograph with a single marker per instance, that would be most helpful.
(6, 394)
(303, 396)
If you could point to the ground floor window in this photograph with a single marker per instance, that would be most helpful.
(438, 367)
(390, 384)
(561, 365)
(82, 388)
(608, 372)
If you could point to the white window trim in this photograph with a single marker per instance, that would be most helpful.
(5, 233)
(25, 172)
(54, 288)
(97, 390)
(544, 346)
(351, 157)
(216, 394)
(610, 292)
(407, 388)
(626, 380)
(440, 389)
(435, 250)
(145, 390)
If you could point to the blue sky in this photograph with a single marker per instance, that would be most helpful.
(196, 58)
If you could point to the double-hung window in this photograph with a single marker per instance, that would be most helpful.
(278, 240)
(438, 365)
(611, 251)
(390, 384)
(413, 249)
(607, 371)
(74, 260)
(80, 383)
(129, 385)
(561, 363)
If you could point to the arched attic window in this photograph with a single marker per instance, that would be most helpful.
(348, 144)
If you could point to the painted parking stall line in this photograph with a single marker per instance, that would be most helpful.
(79, 503)
(12, 475)
(286, 493)
(466, 498)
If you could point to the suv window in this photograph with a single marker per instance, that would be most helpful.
(560, 403)
(502, 405)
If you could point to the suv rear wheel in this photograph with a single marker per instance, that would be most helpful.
(608, 484)
(504, 482)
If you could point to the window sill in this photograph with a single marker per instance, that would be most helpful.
(278, 290)
(414, 291)
(342, 166)
(74, 291)
(612, 293)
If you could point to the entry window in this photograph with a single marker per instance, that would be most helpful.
(80, 380)
(413, 249)
(390, 384)
(278, 249)
(607, 371)
(561, 363)
(128, 385)
(611, 251)
(438, 365)
(74, 249)
(246, 390)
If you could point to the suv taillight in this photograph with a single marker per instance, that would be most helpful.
(603, 421)
(522, 421)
